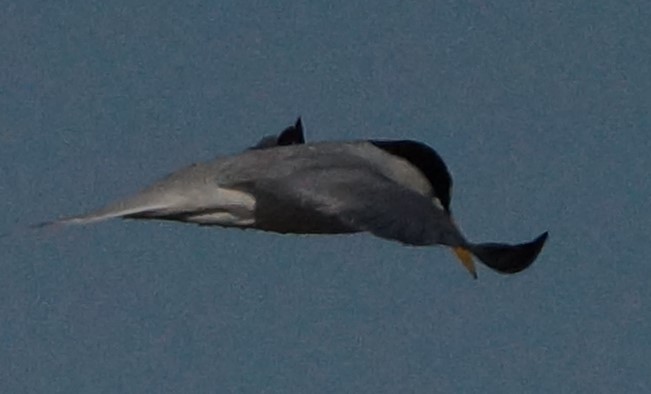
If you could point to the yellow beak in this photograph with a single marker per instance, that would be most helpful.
(465, 257)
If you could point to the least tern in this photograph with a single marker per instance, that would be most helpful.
(395, 189)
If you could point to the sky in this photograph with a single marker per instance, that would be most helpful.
(540, 109)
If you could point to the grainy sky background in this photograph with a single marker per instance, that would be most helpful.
(540, 108)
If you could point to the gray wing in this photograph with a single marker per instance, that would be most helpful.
(340, 200)
(189, 194)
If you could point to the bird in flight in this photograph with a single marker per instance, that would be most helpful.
(395, 189)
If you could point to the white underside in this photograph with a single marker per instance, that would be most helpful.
(225, 219)
(213, 206)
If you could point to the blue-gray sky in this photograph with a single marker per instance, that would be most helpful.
(540, 109)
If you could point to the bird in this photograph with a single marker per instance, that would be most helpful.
(398, 190)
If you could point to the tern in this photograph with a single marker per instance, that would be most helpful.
(398, 190)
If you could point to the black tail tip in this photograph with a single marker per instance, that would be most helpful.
(510, 259)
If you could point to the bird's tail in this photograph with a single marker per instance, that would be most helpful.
(509, 259)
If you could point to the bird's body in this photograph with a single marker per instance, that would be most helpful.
(398, 190)
(319, 188)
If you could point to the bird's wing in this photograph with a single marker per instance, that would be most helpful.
(293, 135)
(357, 198)
(189, 194)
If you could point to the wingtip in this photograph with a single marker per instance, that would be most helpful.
(542, 237)
(535, 246)
(292, 135)
(510, 259)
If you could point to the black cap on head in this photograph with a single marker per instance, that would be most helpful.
(428, 162)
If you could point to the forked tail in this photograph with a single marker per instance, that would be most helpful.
(509, 259)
